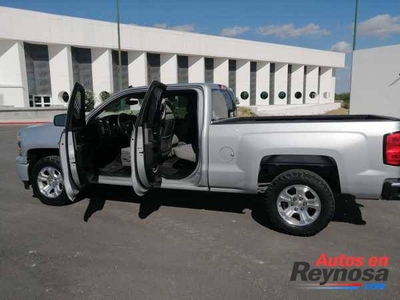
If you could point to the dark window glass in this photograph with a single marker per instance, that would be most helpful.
(183, 65)
(82, 67)
(153, 67)
(305, 83)
(244, 95)
(272, 84)
(209, 69)
(253, 82)
(37, 69)
(124, 69)
(289, 84)
(282, 95)
(298, 95)
(264, 95)
(313, 95)
(232, 75)
(223, 105)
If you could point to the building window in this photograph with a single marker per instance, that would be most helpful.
(153, 67)
(63, 96)
(209, 69)
(289, 84)
(326, 95)
(232, 75)
(298, 95)
(244, 95)
(272, 84)
(313, 95)
(38, 72)
(39, 101)
(82, 67)
(124, 69)
(264, 95)
(183, 65)
(253, 82)
(282, 95)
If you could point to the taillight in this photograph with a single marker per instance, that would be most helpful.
(391, 148)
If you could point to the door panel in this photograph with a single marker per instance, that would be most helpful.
(71, 143)
(146, 141)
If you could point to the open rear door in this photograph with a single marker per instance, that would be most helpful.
(146, 141)
(71, 143)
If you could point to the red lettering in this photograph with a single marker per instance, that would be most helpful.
(321, 261)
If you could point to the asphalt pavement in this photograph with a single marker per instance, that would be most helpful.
(173, 244)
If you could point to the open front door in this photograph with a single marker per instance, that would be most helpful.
(146, 141)
(71, 143)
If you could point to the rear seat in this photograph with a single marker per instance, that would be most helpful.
(179, 149)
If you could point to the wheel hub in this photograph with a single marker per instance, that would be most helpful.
(298, 205)
(50, 182)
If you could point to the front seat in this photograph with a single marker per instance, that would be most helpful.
(167, 135)
(167, 130)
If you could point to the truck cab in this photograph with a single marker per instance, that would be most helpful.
(143, 137)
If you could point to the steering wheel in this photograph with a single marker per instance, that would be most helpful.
(125, 124)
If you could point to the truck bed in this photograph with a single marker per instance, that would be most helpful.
(309, 119)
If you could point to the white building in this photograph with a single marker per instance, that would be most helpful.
(375, 87)
(42, 55)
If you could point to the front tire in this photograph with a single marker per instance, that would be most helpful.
(47, 181)
(299, 202)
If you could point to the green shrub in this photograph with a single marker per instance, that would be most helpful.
(104, 95)
(245, 112)
(90, 100)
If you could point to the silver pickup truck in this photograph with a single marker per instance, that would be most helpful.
(187, 136)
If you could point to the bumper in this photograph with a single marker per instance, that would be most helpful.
(22, 169)
(391, 189)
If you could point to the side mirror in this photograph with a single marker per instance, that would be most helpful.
(60, 120)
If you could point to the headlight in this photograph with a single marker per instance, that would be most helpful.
(19, 143)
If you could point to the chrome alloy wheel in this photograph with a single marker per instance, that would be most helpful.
(50, 182)
(298, 205)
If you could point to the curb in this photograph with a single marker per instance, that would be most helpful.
(24, 122)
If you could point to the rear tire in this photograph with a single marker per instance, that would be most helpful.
(47, 181)
(299, 202)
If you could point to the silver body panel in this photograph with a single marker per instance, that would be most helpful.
(356, 147)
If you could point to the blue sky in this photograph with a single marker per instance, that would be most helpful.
(323, 24)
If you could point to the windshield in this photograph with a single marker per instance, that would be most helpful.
(129, 104)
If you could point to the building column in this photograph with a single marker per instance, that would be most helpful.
(221, 71)
(243, 81)
(61, 74)
(311, 84)
(169, 68)
(102, 71)
(333, 86)
(281, 83)
(196, 69)
(297, 84)
(137, 68)
(262, 83)
(325, 86)
(13, 77)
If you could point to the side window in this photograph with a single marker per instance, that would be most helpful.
(178, 104)
(223, 106)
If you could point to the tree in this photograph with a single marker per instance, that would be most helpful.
(344, 98)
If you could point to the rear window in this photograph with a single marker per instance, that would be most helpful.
(223, 105)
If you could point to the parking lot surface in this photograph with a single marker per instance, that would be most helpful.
(173, 244)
